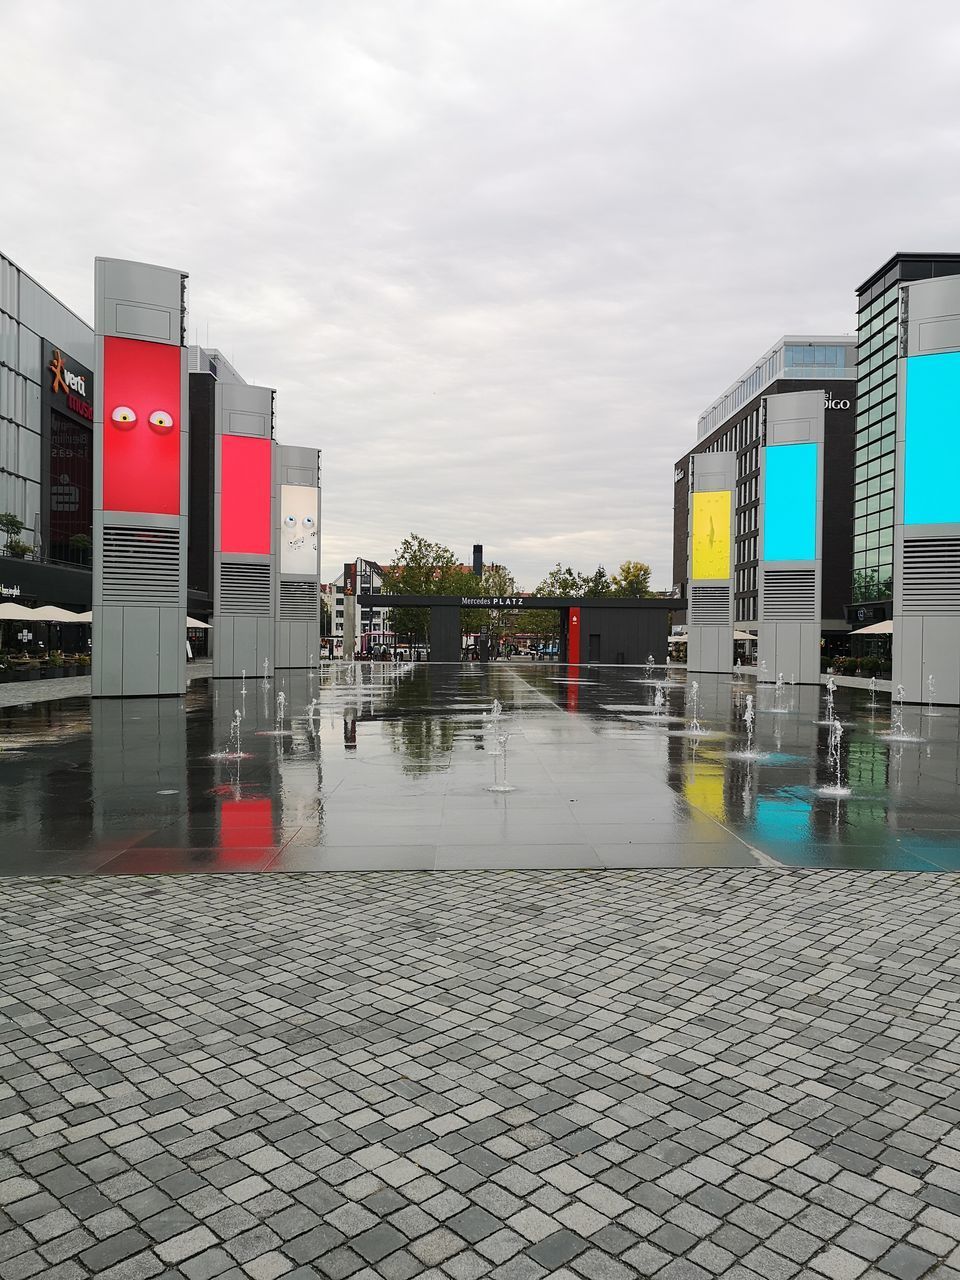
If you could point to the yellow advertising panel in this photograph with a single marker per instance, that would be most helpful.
(711, 534)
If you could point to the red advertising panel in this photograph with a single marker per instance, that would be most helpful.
(244, 495)
(141, 426)
(573, 637)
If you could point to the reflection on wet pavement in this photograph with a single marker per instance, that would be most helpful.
(392, 768)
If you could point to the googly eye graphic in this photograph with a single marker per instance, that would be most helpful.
(161, 422)
(289, 522)
(123, 418)
(308, 522)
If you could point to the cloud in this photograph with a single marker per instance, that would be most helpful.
(495, 258)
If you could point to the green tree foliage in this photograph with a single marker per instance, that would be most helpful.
(632, 579)
(12, 527)
(598, 584)
(544, 624)
(561, 581)
(424, 568)
(497, 580)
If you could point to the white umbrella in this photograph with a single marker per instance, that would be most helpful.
(16, 613)
(53, 613)
(83, 617)
(195, 622)
(744, 635)
(876, 629)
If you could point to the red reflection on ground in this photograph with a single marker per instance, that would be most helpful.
(244, 495)
(141, 426)
(246, 829)
(573, 696)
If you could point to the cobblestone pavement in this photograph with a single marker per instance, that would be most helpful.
(677, 1074)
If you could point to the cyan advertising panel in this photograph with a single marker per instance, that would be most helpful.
(931, 460)
(790, 502)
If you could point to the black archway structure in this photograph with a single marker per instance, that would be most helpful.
(602, 631)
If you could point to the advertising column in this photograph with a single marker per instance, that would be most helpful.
(791, 522)
(926, 562)
(244, 527)
(349, 611)
(139, 481)
(712, 480)
(298, 530)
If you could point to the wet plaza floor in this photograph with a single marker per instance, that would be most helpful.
(392, 769)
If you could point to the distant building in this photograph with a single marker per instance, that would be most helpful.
(371, 621)
(732, 422)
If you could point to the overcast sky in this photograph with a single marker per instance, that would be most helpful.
(496, 257)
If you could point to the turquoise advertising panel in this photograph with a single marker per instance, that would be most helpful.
(790, 502)
(931, 460)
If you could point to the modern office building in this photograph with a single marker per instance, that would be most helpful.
(46, 442)
(878, 335)
(733, 424)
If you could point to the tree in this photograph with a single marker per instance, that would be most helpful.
(497, 581)
(423, 568)
(561, 582)
(598, 585)
(632, 579)
(12, 526)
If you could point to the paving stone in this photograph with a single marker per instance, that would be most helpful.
(473, 1224)
(906, 1262)
(207, 1265)
(313, 1244)
(437, 1246)
(600, 1266)
(113, 1250)
(556, 1249)
(268, 1266)
(838, 1264)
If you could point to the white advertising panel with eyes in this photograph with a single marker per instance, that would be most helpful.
(298, 529)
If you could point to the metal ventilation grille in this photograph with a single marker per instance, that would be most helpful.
(141, 566)
(931, 575)
(298, 601)
(245, 589)
(709, 604)
(789, 595)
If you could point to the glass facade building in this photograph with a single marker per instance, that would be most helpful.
(34, 325)
(878, 331)
(732, 422)
(793, 357)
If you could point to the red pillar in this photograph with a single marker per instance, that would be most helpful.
(573, 636)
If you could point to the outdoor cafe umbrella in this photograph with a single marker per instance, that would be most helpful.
(875, 629)
(17, 613)
(53, 613)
